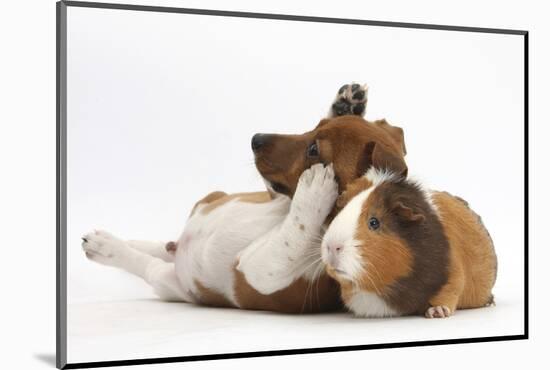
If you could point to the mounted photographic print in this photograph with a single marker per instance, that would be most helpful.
(241, 184)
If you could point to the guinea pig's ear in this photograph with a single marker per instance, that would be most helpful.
(406, 213)
(395, 132)
(376, 155)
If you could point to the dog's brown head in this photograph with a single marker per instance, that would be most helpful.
(352, 144)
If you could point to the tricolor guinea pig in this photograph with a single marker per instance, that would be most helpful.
(398, 249)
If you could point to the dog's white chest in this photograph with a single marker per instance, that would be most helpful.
(209, 246)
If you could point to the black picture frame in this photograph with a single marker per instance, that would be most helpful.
(61, 173)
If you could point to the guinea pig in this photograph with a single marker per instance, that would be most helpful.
(396, 249)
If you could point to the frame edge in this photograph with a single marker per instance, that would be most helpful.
(61, 183)
(526, 180)
(289, 17)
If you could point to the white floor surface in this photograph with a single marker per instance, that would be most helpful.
(146, 328)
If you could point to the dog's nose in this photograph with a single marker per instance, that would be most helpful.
(258, 141)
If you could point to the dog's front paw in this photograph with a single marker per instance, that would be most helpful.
(104, 248)
(316, 193)
(351, 99)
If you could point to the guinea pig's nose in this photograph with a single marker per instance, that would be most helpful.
(258, 141)
(335, 248)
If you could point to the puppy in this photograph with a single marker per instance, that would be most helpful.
(262, 250)
(398, 249)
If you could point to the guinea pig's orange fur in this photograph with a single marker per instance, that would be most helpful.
(393, 261)
(473, 263)
(455, 268)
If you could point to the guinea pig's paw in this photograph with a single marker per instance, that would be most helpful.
(351, 99)
(438, 312)
(104, 248)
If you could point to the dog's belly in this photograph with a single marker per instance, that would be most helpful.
(209, 246)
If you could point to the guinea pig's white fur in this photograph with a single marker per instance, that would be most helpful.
(343, 228)
(342, 232)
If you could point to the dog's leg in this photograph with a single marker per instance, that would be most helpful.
(160, 250)
(350, 99)
(106, 249)
(285, 254)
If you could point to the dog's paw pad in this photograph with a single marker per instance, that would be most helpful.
(438, 312)
(351, 99)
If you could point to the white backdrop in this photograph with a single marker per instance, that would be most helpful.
(161, 109)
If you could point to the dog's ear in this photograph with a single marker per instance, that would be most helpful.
(376, 155)
(323, 122)
(395, 132)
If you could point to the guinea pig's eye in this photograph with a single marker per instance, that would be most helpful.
(374, 223)
(312, 150)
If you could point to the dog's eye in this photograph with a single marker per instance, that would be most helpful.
(374, 223)
(313, 151)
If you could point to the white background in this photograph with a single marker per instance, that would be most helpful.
(161, 109)
(28, 189)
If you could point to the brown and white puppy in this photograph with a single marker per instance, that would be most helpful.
(262, 250)
(397, 249)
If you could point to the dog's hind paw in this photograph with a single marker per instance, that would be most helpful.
(351, 99)
(104, 248)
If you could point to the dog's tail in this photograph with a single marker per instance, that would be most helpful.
(171, 247)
